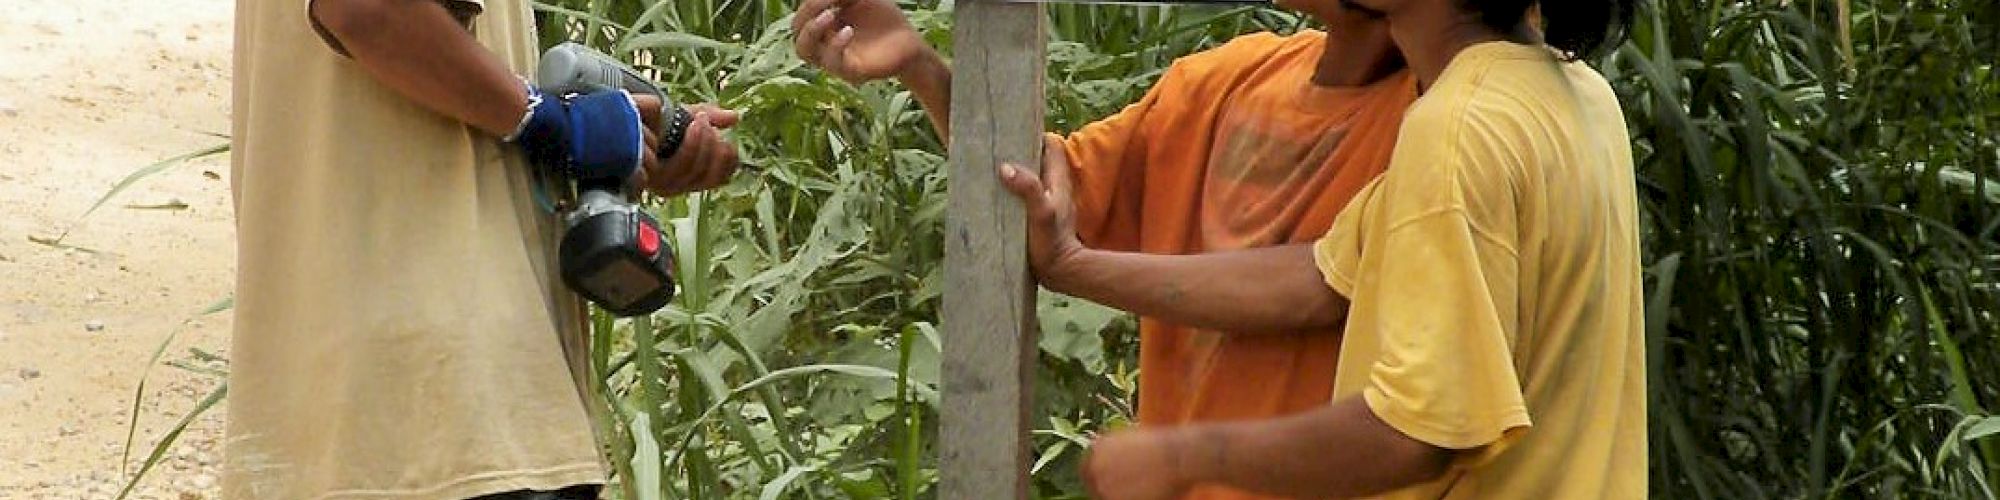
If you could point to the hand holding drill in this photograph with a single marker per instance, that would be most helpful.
(595, 121)
(703, 160)
(606, 127)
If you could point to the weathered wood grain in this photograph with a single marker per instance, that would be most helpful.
(989, 305)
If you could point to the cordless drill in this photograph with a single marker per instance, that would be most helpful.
(612, 252)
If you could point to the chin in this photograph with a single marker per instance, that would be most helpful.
(1323, 11)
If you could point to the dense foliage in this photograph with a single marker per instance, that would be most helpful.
(1820, 222)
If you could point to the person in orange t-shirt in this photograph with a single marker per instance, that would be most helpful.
(1257, 143)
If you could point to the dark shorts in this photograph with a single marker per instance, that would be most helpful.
(579, 492)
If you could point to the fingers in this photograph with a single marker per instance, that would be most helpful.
(833, 54)
(723, 159)
(717, 116)
(684, 171)
(808, 10)
(650, 109)
(1018, 181)
(723, 165)
(705, 161)
(812, 37)
(1028, 188)
(694, 173)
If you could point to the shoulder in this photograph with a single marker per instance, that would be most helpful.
(1495, 84)
(1256, 46)
(1246, 54)
(1497, 101)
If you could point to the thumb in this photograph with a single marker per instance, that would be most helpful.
(1025, 186)
(717, 116)
(723, 118)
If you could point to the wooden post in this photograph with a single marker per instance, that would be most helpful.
(989, 298)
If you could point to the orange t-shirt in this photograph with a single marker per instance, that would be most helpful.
(1233, 148)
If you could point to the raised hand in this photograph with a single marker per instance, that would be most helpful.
(858, 40)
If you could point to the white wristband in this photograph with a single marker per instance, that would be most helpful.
(534, 101)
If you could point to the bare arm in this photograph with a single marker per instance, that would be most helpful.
(1262, 290)
(1272, 290)
(1339, 451)
(867, 40)
(930, 82)
(455, 77)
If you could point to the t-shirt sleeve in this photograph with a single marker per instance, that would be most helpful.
(462, 10)
(1107, 158)
(1446, 371)
(1434, 260)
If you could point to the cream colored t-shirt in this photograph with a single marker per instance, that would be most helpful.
(1494, 275)
(400, 331)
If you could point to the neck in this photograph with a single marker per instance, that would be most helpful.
(1356, 58)
(1430, 47)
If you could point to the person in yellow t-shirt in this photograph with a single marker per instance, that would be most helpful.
(1489, 280)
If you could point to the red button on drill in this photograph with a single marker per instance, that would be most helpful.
(649, 240)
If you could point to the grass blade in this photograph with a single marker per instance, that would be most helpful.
(139, 393)
(777, 487)
(172, 435)
(135, 176)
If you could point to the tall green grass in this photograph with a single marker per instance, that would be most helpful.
(1819, 216)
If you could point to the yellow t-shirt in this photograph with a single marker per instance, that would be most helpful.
(1494, 275)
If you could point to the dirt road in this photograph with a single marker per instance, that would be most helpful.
(94, 90)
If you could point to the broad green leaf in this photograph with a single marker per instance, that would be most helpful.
(674, 40)
(1987, 426)
(646, 464)
(1071, 328)
(777, 487)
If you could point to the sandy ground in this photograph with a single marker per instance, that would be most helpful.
(95, 90)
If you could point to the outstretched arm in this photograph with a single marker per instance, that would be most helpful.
(1260, 290)
(1338, 451)
(1271, 290)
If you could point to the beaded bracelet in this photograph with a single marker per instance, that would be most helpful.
(676, 132)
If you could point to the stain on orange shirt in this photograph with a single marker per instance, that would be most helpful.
(1233, 148)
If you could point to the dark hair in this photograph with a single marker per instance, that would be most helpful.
(1580, 28)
